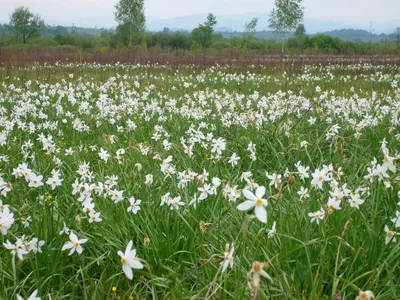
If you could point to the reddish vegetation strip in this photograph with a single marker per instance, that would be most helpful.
(176, 58)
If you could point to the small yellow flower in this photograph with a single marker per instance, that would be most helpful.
(114, 289)
(130, 297)
(49, 197)
(47, 153)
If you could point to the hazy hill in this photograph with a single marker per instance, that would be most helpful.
(235, 22)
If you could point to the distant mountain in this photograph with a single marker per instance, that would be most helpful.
(236, 22)
(344, 34)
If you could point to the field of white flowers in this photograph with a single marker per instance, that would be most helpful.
(161, 182)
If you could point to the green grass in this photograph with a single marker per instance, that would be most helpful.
(185, 247)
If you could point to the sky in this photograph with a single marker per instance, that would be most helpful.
(100, 12)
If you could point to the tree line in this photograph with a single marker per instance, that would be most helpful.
(28, 30)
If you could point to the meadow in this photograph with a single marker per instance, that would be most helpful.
(185, 182)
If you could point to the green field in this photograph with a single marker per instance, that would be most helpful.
(80, 145)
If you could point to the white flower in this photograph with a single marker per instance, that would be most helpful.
(149, 179)
(233, 160)
(275, 179)
(18, 248)
(304, 144)
(129, 260)
(33, 296)
(367, 295)
(319, 177)
(6, 220)
(65, 230)
(255, 201)
(103, 154)
(257, 270)
(74, 244)
(94, 217)
(54, 181)
(355, 200)
(176, 203)
(134, 206)
(35, 180)
(334, 204)
(303, 193)
(396, 220)
(228, 258)
(272, 231)
(317, 216)
(390, 235)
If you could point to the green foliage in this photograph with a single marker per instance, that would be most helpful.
(131, 13)
(25, 25)
(300, 30)
(285, 17)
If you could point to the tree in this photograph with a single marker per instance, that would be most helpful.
(248, 33)
(25, 24)
(396, 36)
(285, 17)
(131, 12)
(211, 22)
(202, 35)
(300, 30)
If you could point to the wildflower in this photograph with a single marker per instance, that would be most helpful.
(103, 154)
(18, 248)
(390, 235)
(74, 244)
(149, 179)
(134, 206)
(319, 177)
(317, 216)
(275, 179)
(228, 258)
(94, 217)
(129, 260)
(355, 201)
(35, 180)
(272, 231)
(233, 160)
(367, 295)
(303, 193)
(33, 296)
(65, 230)
(255, 201)
(6, 220)
(396, 220)
(256, 271)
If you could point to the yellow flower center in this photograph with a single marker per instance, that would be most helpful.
(259, 202)
(123, 260)
(257, 267)
(76, 244)
(363, 296)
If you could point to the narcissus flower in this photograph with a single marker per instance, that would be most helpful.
(129, 260)
(228, 258)
(257, 271)
(256, 201)
(33, 296)
(367, 295)
(74, 244)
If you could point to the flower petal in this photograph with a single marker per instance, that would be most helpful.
(246, 205)
(249, 195)
(128, 271)
(260, 192)
(261, 214)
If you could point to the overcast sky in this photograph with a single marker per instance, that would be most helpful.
(100, 12)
